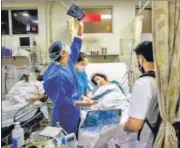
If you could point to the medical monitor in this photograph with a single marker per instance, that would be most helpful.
(24, 42)
(102, 117)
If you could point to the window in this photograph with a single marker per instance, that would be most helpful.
(98, 20)
(19, 22)
(147, 19)
(4, 22)
(24, 21)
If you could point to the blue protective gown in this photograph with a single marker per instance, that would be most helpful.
(83, 82)
(61, 85)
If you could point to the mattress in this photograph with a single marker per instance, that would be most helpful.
(17, 99)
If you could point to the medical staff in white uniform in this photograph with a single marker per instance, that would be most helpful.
(144, 103)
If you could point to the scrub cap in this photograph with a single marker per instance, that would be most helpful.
(56, 48)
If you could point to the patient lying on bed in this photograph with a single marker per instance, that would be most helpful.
(108, 95)
(28, 89)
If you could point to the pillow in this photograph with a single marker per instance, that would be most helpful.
(114, 71)
(92, 87)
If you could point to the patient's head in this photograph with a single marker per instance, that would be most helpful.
(39, 77)
(99, 79)
(26, 77)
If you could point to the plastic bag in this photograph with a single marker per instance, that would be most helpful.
(123, 140)
(32, 77)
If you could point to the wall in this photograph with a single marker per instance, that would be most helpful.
(13, 40)
(146, 37)
(123, 15)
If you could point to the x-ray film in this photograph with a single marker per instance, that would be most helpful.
(76, 12)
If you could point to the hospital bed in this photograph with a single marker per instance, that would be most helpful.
(99, 139)
(28, 114)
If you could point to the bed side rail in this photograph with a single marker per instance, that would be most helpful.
(30, 106)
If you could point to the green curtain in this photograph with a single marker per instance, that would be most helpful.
(166, 42)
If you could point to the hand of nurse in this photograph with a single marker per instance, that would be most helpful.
(91, 103)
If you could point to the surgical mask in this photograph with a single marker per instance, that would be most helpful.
(81, 68)
(141, 69)
(98, 83)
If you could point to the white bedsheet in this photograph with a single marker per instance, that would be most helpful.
(97, 138)
(113, 100)
(16, 99)
(103, 138)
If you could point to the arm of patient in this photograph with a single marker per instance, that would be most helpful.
(37, 98)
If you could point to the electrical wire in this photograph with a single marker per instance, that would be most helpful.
(40, 52)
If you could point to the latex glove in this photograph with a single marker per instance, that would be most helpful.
(89, 95)
(122, 126)
(85, 98)
(31, 100)
(79, 23)
(129, 98)
(91, 103)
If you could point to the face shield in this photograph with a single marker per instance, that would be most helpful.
(61, 49)
(67, 49)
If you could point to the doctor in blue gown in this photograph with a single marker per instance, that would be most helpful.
(61, 83)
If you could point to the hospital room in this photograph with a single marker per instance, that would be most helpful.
(90, 74)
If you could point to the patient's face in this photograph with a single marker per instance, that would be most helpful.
(99, 80)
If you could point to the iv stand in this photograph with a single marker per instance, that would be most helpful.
(5, 72)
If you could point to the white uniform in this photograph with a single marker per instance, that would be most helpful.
(144, 105)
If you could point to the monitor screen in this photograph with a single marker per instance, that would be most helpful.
(24, 41)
